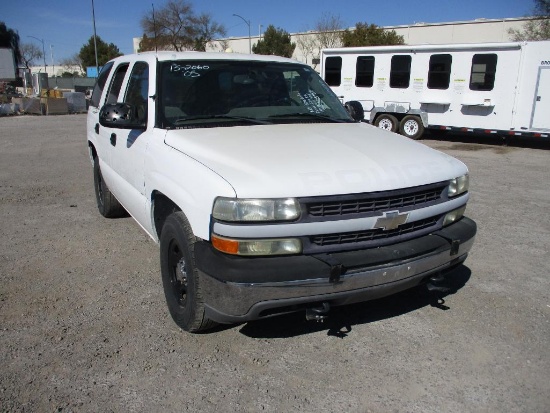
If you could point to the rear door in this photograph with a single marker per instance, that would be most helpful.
(541, 107)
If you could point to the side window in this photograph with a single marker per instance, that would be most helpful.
(439, 73)
(116, 83)
(364, 71)
(484, 67)
(100, 84)
(400, 74)
(333, 70)
(137, 91)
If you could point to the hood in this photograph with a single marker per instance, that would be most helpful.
(268, 161)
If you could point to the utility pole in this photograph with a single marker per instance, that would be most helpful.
(95, 41)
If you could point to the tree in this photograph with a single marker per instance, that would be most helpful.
(538, 27)
(29, 53)
(176, 27)
(205, 30)
(9, 38)
(70, 62)
(325, 34)
(105, 52)
(275, 42)
(370, 35)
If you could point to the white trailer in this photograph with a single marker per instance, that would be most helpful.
(494, 88)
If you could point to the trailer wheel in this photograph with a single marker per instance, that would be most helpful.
(387, 122)
(411, 127)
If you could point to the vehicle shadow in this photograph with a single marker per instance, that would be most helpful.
(341, 320)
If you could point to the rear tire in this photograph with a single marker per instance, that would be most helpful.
(387, 122)
(411, 127)
(107, 204)
(180, 278)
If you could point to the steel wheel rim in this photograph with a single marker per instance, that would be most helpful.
(411, 127)
(178, 273)
(385, 124)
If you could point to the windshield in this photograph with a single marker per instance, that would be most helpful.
(201, 93)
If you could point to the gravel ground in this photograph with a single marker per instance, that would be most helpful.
(84, 326)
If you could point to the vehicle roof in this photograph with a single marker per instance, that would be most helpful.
(430, 47)
(197, 56)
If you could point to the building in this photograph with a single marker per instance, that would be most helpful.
(471, 31)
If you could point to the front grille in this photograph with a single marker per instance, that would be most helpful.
(373, 234)
(375, 202)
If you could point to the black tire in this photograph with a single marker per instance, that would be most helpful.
(107, 204)
(180, 278)
(387, 122)
(411, 127)
(355, 109)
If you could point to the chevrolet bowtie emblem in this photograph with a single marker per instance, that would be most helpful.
(391, 220)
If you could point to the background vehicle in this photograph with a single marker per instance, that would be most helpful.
(495, 88)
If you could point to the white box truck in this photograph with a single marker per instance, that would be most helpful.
(494, 88)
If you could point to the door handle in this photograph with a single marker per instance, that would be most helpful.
(538, 98)
(97, 128)
(113, 139)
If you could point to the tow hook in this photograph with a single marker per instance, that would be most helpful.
(318, 314)
(433, 285)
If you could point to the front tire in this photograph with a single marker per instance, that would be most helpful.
(387, 122)
(180, 278)
(411, 127)
(107, 204)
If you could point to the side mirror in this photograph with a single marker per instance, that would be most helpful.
(355, 109)
(120, 115)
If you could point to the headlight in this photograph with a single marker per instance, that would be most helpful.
(458, 185)
(257, 247)
(231, 209)
(454, 216)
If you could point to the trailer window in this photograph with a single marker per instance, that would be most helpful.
(400, 74)
(364, 71)
(333, 70)
(439, 73)
(484, 67)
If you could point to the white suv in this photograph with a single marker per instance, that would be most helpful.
(264, 194)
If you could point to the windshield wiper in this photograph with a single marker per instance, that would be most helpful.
(229, 117)
(311, 115)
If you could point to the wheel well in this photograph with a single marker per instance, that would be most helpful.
(398, 116)
(162, 208)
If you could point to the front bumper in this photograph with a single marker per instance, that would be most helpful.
(238, 289)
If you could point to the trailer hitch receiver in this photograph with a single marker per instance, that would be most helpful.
(318, 314)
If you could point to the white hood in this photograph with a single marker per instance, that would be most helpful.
(313, 159)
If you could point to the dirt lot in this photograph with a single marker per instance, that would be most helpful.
(84, 326)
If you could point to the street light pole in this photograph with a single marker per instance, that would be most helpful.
(43, 52)
(249, 38)
(53, 64)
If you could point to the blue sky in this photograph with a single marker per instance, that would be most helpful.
(66, 25)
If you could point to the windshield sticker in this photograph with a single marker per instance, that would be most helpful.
(312, 102)
(188, 70)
